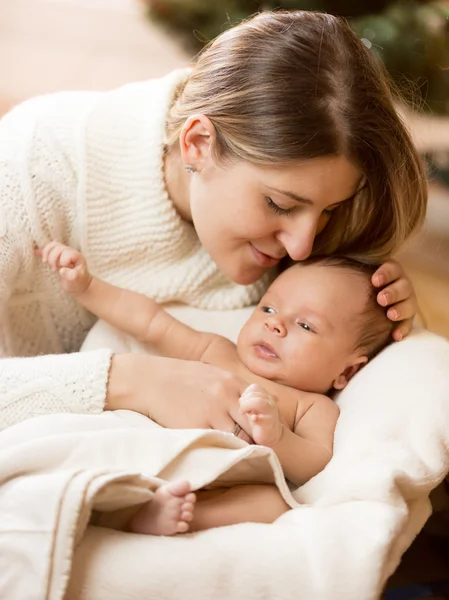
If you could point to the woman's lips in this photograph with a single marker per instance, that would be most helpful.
(266, 351)
(264, 260)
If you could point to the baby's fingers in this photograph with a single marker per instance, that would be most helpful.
(256, 403)
(47, 250)
(54, 257)
(254, 388)
(69, 258)
(74, 280)
(70, 274)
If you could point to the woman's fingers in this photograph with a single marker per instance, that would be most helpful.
(396, 292)
(200, 395)
(403, 314)
(397, 295)
(229, 425)
(402, 330)
(388, 272)
(242, 421)
(222, 409)
(402, 310)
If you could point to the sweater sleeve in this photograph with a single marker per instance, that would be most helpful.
(49, 382)
(69, 383)
(45, 384)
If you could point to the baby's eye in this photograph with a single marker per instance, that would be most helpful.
(305, 326)
(268, 309)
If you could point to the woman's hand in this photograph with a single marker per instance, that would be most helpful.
(179, 394)
(397, 293)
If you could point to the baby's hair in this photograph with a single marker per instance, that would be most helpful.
(374, 327)
(288, 86)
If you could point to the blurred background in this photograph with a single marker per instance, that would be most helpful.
(50, 45)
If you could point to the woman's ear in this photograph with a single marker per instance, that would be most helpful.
(196, 139)
(342, 380)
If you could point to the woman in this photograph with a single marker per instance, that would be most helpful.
(281, 141)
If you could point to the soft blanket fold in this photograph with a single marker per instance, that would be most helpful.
(56, 469)
(353, 522)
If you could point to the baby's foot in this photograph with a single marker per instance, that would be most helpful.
(168, 512)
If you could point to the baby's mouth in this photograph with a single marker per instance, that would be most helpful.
(264, 350)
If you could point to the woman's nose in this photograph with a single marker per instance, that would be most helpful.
(298, 239)
(275, 325)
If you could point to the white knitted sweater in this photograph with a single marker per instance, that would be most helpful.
(86, 168)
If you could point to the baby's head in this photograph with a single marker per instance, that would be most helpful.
(316, 326)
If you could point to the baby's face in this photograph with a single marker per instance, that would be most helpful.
(304, 331)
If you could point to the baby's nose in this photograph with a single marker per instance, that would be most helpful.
(275, 325)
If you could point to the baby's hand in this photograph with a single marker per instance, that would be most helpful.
(263, 414)
(71, 264)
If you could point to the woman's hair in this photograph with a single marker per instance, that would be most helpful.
(291, 86)
(374, 328)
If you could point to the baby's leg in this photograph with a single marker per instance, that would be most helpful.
(168, 512)
(240, 504)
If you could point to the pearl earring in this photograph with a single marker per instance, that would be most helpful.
(190, 169)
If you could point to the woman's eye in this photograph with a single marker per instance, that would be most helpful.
(268, 309)
(330, 210)
(278, 209)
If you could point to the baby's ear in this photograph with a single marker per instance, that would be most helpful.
(342, 380)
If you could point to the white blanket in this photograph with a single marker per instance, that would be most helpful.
(354, 521)
(56, 469)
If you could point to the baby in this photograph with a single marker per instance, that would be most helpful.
(315, 327)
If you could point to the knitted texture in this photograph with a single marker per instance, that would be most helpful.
(86, 169)
(134, 237)
(30, 387)
(38, 186)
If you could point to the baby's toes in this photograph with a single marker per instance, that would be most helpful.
(187, 515)
(179, 489)
(188, 507)
(191, 498)
(182, 527)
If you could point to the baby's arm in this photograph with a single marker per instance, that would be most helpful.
(135, 314)
(303, 452)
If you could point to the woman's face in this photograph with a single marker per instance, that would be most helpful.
(249, 217)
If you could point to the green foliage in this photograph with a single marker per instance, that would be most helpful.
(202, 20)
(413, 42)
(411, 37)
